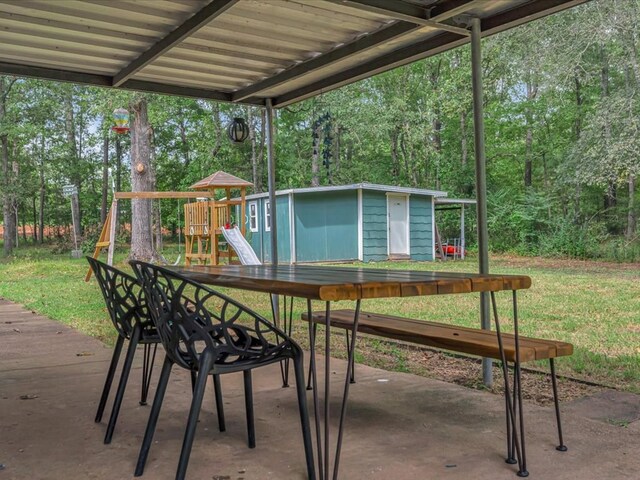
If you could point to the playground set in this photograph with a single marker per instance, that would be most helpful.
(204, 220)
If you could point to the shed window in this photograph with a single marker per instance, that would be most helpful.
(267, 216)
(253, 216)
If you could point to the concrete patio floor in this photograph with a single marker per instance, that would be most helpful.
(399, 426)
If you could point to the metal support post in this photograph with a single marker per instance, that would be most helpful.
(271, 167)
(481, 181)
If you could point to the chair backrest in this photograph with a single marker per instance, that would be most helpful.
(190, 317)
(123, 296)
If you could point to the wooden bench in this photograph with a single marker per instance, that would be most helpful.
(473, 341)
(465, 340)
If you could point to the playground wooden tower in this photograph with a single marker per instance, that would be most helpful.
(204, 220)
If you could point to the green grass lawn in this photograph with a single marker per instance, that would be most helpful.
(594, 305)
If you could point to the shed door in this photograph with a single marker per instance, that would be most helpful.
(398, 211)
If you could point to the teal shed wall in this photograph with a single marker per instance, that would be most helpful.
(261, 240)
(374, 226)
(326, 226)
(421, 227)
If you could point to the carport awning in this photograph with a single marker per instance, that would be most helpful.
(241, 51)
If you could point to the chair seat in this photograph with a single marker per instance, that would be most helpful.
(245, 363)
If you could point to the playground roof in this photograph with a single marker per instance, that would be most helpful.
(241, 51)
(220, 179)
(356, 186)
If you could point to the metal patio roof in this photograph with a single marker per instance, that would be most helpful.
(241, 51)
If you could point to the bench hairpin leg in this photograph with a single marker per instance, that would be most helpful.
(286, 326)
(512, 434)
(352, 377)
(289, 331)
(314, 382)
(313, 330)
(347, 382)
(523, 465)
(510, 455)
(515, 406)
(327, 384)
(561, 446)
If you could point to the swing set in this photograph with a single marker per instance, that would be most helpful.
(109, 228)
(204, 219)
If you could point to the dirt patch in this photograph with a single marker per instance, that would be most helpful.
(466, 371)
(584, 266)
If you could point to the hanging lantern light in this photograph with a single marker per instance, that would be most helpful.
(121, 119)
(238, 130)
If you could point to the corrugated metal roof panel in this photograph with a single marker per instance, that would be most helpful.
(239, 50)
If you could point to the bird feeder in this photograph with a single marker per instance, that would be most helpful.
(238, 130)
(121, 119)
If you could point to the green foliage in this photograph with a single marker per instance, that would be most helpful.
(565, 239)
(517, 220)
(561, 109)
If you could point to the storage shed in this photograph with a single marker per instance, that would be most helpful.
(364, 221)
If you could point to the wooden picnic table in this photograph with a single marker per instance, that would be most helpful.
(331, 283)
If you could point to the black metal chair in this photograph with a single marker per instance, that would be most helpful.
(128, 310)
(209, 333)
(124, 299)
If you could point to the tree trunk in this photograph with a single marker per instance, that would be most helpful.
(336, 150)
(577, 132)
(610, 195)
(395, 162)
(8, 201)
(75, 177)
(437, 145)
(24, 223)
(34, 234)
(105, 178)
(632, 217)
(41, 193)
(528, 159)
(185, 143)
(217, 126)
(463, 138)
(255, 171)
(118, 165)
(15, 222)
(157, 222)
(577, 125)
(259, 186)
(532, 91)
(142, 180)
(315, 169)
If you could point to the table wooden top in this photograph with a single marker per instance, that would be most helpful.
(345, 283)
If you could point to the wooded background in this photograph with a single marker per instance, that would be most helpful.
(563, 147)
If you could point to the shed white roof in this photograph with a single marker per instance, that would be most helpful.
(456, 201)
(355, 186)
